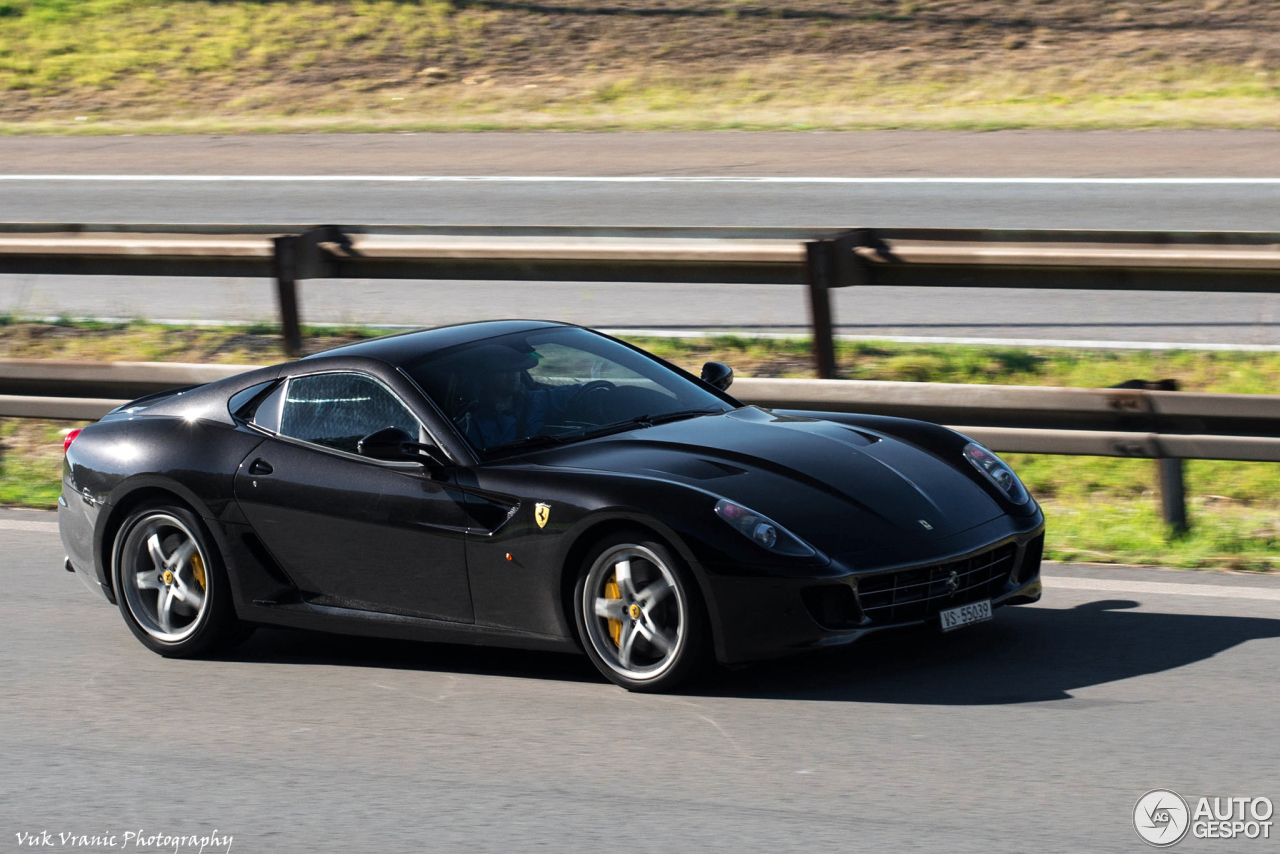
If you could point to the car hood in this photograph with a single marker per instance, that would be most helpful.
(840, 488)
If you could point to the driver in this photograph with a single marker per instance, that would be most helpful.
(506, 409)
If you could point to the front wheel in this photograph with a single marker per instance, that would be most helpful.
(170, 583)
(639, 614)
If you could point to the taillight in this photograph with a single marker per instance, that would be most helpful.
(71, 437)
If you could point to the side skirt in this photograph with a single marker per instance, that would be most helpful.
(349, 621)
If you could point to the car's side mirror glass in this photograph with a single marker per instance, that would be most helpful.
(395, 445)
(717, 374)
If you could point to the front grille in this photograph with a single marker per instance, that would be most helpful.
(917, 594)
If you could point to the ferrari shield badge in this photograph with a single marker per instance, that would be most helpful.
(541, 513)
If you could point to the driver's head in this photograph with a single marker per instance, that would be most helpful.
(500, 371)
(500, 384)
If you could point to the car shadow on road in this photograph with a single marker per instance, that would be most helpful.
(1026, 655)
(295, 646)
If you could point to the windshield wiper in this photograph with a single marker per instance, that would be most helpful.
(664, 417)
(645, 420)
(533, 442)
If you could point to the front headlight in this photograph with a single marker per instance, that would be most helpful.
(998, 472)
(762, 530)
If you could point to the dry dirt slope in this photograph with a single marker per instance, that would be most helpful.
(641, 62)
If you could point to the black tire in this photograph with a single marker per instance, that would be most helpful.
(666, 635)
(178, 628)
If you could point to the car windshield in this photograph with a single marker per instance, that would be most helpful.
(552, 386)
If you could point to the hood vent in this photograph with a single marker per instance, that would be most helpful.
(699, 469)
(864, 439)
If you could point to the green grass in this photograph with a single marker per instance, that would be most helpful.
(164, 66)
(1132, 532)
(1100, 509)
(1106, 509)
(28, 483)
(1216, 371)
(259, 343)
(30, 462)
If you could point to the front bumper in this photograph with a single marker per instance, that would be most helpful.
(772, 616)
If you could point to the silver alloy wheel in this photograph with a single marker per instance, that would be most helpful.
(164, 576)
(634, 611)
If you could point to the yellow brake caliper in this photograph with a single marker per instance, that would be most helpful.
(611, 591)
(197, 569)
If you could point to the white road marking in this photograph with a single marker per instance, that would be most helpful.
(1167, 588)
(636, 179)
(24, 525)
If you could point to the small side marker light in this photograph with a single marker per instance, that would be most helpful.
(509, 557)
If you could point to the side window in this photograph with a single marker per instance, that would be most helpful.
(338, 410)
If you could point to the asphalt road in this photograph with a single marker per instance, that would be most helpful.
(1036, 732)
(547, 198)
(1101, 154)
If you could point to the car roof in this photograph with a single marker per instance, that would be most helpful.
(409, 346)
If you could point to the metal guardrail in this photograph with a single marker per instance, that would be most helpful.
(820, 258)
(59, 378)
(59, 408)
(1116, 422)
(1167, 426)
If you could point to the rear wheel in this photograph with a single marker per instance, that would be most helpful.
(171, 585)
(639, 614)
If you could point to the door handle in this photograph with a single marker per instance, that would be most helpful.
(260, 466)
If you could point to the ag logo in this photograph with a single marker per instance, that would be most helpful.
(1161, 817)
(541, 513)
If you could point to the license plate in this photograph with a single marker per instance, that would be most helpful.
(977, 612)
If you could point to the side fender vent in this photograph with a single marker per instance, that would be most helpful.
(258, 550)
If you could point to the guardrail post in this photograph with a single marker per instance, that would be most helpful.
(820, 260)
(286, 264)
(1173, 494)
(1173, 490)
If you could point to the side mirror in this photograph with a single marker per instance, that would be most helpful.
(717, 374)
(393, 444)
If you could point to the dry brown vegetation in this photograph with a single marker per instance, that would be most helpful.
(640, 62)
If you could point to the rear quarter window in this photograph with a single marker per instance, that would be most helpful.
(243, 404)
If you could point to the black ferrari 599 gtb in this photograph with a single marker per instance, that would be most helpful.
(537, 485)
